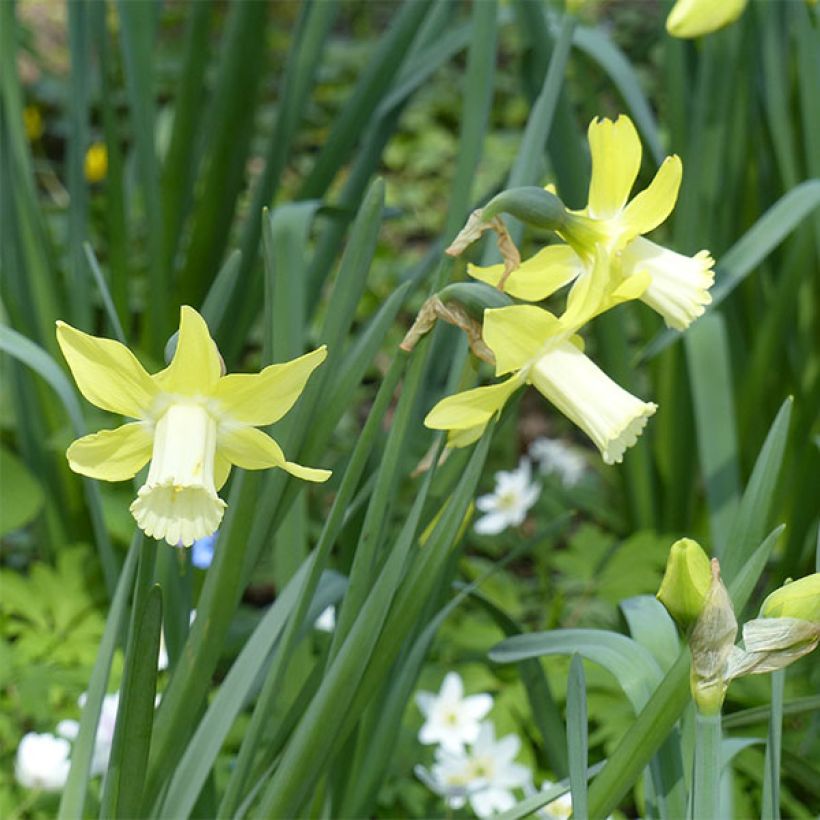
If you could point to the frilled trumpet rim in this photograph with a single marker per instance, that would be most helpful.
(679, 285)
(178, 501)
(608, 414)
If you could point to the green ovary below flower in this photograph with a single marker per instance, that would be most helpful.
(539, 349)
(193, 424)
(678, 285)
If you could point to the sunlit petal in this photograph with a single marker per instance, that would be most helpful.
(251, 449)
(616, 160)
(516, 334)
(653, 205)
(263, 398)
(107, 372)
(196, 366)
(472, 408)
(112, 455)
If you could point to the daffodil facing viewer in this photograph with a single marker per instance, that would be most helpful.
(192, 423)
(677, 285)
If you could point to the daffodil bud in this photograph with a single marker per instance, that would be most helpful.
(795, 599)
(712, 644)
(531, 205)
(686, 582)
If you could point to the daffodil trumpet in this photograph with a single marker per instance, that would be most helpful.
(191, 421)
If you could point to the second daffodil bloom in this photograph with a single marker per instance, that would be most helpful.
(192, 423)
(539, 349)
(677, 286)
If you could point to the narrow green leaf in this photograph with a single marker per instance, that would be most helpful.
(577, 738)
(105, 293)
(72, 801)
(215, 307)
(770, 808)
(710, 374)
(705, 800)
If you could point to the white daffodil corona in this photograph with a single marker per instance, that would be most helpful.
(677, 285)
(193, 424)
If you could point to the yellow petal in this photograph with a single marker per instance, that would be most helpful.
(472, 408)
(537, 277)
(516, 334)
(196, 366)
(251, 449)
(112, 455)
(464, 438)
(107, 372)
(652, 205)
(262, 398)
(222, 469)
(616, 160)
(590, 294)
(694, 18)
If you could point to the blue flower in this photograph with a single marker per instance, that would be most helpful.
(202, 552)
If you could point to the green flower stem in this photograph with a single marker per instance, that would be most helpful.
(706, 781)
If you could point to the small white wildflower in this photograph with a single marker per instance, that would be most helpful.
(326, 622)
(507, 506)
(558, 809)
(555, 456)
(451, 719)
(485, 776)
(42, 762)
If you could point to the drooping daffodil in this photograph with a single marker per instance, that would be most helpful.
(677, 285)
(192, 423)
(694, 18)
(538, 348)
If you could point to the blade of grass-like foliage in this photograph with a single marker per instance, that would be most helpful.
(577, 737)
(636, 671)
(115, 220)
(132, 729)
(753, 514)
(539, 123)
(761, 714)
(137, 705)
(78, 42)
(770, 802)
(72, 801)
(324, 726)
(137, 33)
(599, 47)
(31, 289)
(347, 291)
(752, 248)
(330, 532)
(105, 293)
(41, 363)
(710, 374)
(304, 58)
(650, 625)
(367, 773)
(229, 124)
(178, 172)
(705, 800)
(478, 96)
(192, 770)
(215, 307)
(371, 87)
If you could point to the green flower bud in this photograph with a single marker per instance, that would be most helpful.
(795, 599)
(686, 582)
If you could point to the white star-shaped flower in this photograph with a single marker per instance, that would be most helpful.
(42, 762)
(508, 505)
(450, 718)
(485, 776)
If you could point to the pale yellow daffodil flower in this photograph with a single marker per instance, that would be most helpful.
(678, 285)
(192, 423)
(694, 18)
(540, 349)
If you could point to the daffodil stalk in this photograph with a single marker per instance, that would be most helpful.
(192, 422)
